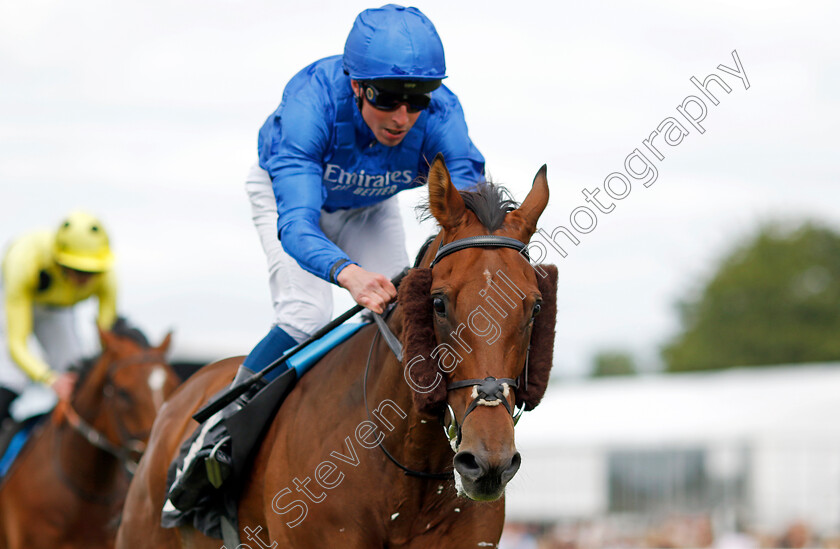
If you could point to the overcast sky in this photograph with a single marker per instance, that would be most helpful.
(147, 114)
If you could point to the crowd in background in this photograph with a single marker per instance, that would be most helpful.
(681, 531)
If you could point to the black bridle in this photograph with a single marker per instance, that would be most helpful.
(486, 392)
(480, 241)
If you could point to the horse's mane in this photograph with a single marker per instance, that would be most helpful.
(488, 201)
(122, 328)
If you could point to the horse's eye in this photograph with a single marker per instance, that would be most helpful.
(124, 395)
(537, 309)
(439, 305)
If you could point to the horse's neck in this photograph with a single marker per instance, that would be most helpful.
(416, 440)
(90, 468)
(87, 469)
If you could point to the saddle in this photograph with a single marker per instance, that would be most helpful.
(13, 439)
(27, 412)
(215, 513)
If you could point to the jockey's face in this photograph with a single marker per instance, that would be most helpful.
(389, 127)
(78, 278)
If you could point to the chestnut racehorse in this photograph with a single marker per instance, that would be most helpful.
(473, 350)
(68, 485)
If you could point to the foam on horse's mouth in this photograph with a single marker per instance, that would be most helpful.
(459, 489)
(459, 485)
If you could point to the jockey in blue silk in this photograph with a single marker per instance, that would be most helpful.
(351, 132)
(321, 155)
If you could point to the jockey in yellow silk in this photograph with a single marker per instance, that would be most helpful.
(44, 274)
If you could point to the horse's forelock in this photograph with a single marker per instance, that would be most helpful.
(123, 328)
(489, 202)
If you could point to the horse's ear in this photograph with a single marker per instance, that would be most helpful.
(164, 346)
(533, 205)
(445, 202)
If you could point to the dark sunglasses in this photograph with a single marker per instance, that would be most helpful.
(388, 101)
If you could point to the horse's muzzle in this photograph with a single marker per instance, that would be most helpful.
(478, 478)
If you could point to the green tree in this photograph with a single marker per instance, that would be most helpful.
(774, 300)
(613, 363)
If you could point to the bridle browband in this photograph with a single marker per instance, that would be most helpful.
(480, 241)
(486, 392)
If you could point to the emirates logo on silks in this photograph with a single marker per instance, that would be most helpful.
(369, 94)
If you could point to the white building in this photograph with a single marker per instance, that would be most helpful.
(757, 447)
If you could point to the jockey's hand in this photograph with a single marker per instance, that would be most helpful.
(64, 385)
(371, 290)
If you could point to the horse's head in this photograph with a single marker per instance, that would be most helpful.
(479, 330)
(121, 392)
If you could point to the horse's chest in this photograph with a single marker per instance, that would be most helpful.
(76, 526)
(416, 515)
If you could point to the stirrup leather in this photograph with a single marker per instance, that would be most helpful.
(217, 463)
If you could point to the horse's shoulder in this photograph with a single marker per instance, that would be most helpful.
(208, 380)
(195, 391)
(218, 372)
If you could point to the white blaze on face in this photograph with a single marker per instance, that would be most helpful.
(157, 378)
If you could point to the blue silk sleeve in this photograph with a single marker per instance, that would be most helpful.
(292, 145)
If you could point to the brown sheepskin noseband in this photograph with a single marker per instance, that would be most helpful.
(419, 340)
(541, 355)
(415, 298)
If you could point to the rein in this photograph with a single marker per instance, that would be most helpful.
(123, 453)
(383, 329)
(84, 494)
(486, 392)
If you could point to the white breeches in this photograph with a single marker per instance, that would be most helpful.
(372, 236)
(55, 332)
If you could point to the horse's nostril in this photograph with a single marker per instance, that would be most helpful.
(512, 467)
(467, 465)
